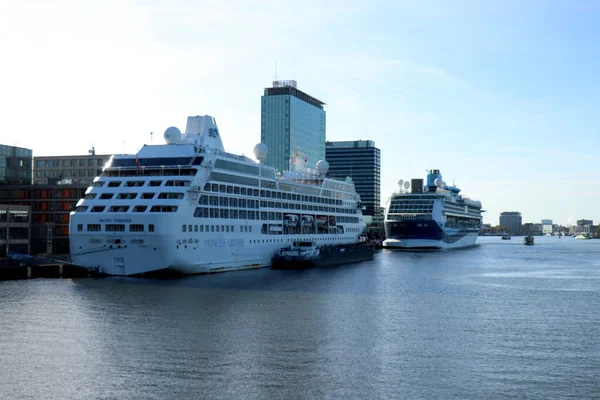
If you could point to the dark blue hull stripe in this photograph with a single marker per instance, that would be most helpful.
(424, 230)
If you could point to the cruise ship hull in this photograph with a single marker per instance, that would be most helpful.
(427, 234)
(204, 253)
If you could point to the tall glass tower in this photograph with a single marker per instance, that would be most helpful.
(361, 161)
(291, 120)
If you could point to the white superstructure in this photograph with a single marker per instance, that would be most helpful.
(192, 207)
(432, 216)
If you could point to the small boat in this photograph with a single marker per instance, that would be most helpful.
(583, 236)
(321, 220)
(297, 256)
(290, 220)
(528, 240)
(301, 255)
(506, 237)
(307, 220)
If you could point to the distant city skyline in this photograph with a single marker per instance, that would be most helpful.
(500, 96)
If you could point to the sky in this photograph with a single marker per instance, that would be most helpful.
(503, 97)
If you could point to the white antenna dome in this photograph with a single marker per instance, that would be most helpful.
(322, 167)
(438, 182)
(401, 182)
(406, 185)
(172, 135)
(260, 151)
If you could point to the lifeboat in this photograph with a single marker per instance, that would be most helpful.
(307, 220)
(290, 220)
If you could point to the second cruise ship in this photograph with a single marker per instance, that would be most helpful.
(433, 216)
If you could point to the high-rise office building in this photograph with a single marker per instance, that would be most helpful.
(511, 221)
(15, 165)
(291, 120)
(361, 161)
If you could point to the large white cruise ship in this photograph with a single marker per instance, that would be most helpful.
(191, 207)
(433, 216)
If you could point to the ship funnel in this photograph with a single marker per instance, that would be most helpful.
(205, 127)
(432, 177)
(416, 185)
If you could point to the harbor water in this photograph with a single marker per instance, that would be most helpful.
(499, 320)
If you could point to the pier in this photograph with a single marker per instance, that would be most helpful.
(21, 266)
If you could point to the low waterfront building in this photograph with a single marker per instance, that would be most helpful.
(547, 229)
(50, 206)
(78, 169)
(532, 229)
(15, 223)
(15, 165)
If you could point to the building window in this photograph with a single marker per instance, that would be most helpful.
(151, 228)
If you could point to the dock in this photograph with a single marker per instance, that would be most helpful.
(23, 266)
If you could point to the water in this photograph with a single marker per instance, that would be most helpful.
(501, 320)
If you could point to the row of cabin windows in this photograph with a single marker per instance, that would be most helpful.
(115, 228)
(215, 228)
(131, 196)
(137, 209)
(278, 229)
(243, 203)
(269, 194)
(207, 212)
(318, 239)
(142, 183)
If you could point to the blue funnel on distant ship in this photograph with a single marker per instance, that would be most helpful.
(431, 177)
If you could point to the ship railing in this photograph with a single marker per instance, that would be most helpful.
(203, 150)
(179, 170)
(408, 216)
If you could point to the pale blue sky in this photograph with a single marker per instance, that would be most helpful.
(501, 96)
